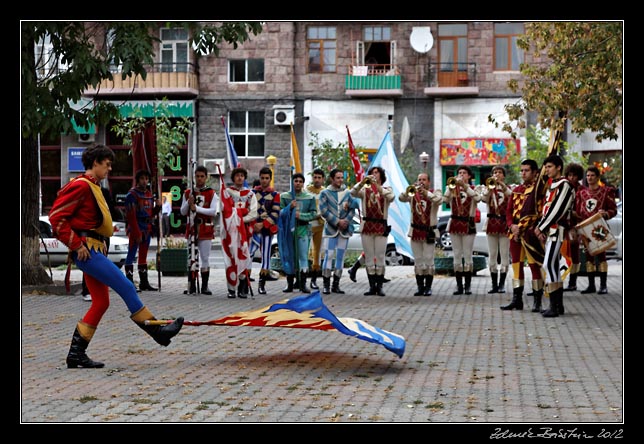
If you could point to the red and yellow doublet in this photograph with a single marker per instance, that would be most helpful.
(76, 212)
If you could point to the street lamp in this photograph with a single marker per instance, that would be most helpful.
(271, 161)
(424, 159)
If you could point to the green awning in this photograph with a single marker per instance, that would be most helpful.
(176, 108)
(83, 130)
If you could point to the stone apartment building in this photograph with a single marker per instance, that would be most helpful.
(432, 84)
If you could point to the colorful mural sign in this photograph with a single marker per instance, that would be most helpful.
(477, 151)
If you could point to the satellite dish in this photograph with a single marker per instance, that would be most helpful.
(421, 39)
(404, 135)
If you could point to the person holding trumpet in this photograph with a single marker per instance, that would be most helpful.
(462, 198)
(375, 204)
(495, 193)
(424, 204)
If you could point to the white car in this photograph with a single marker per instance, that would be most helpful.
(54, 253)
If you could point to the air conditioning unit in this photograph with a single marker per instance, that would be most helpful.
(86, 138)
(211, 165)
(283, 116)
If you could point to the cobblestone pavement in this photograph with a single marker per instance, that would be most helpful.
(466, 360)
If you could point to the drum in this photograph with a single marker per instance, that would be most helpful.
(595, 234)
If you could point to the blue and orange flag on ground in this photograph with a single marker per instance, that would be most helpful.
(308, 311)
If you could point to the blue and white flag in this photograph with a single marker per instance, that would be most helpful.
(399, 213)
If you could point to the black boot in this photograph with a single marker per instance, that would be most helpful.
(468, 282)
(572, 283)
(160, 333)
(192, 285)
(326, 284)
(553, 311)
(495, 283)
(603, 278)
(303, 287)
(314, 276)
(76, 356)
(459, 282)
(502, 277)
(380, 279)
(243, 288)
(536, 305)
(129, 274)
(144, 285)
(372, 285)
(420, 283)
(517, 300)
(289, 283)
(353, 270)
(429, 279)
(205, 276)
(335, 288)
(261, 286)
(591, 284)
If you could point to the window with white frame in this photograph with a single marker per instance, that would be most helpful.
(507, 55)
(46, 63)
(247, 131)
(115, 65)
(246, 70)
(174, 50)
(321, 48)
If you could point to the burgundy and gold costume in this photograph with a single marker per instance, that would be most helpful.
(496, 229)
(588, 203)
(523, 210)
(375, 230)
(462, 229)
(422, 232)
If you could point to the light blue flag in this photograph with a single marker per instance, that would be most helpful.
(399, 212)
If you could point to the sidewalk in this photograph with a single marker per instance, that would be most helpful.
(466, 360)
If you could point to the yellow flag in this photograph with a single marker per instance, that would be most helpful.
(295, 153)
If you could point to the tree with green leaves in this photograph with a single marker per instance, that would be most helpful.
(537, 150)
(575, 75)
(50, 97)
(328, 156)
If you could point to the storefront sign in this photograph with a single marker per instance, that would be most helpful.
(75, 159)
(477, 151)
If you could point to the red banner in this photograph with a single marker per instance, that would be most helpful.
(357, 166)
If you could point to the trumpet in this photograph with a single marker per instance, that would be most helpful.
(451, 182)
(368, 180)
(411, 190)
(491, 182)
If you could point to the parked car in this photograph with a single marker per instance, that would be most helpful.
(58, 251)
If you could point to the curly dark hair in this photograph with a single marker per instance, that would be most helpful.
(96, 153)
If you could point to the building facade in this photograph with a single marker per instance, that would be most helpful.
(432, 84)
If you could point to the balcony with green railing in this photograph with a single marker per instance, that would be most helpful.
(373, 81)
